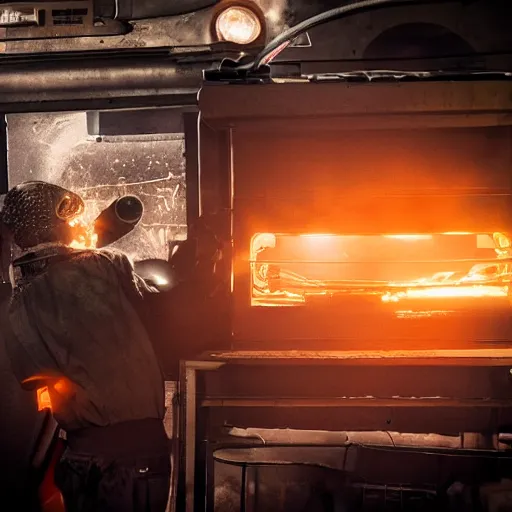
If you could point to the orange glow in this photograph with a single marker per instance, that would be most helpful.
(313, 236)
(409, 237)
(296, 269)
(63, 387)
(51, 395)
(84, 236)
(43, 399)
(447, 292)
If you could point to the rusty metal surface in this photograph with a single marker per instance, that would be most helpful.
(478, 357)
(186, 31)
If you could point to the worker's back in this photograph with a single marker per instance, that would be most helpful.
(76, 318)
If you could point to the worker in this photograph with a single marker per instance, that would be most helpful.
(74, 326)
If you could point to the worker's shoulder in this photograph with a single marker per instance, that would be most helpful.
(104, 256)
(99, 261)
(82, 273)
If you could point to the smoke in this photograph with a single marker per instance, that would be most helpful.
(277, 15)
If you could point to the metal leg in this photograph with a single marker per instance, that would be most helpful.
(193, 437)
(201, 473)
(187, 438)
(243, 489)
(210, 480)
(173, 432)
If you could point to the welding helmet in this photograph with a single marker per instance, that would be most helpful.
(36, 213)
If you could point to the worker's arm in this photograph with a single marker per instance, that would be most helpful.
(135, 286)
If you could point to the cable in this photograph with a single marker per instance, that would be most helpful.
(283, 40)
(391, 437)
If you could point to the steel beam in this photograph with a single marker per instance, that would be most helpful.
(360, 402)
(24, 83)
(232, 105)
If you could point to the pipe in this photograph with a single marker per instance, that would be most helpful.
(319, 438)
(119, 219)
(91, 79)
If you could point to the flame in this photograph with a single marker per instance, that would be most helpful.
(84, 236)
(447, 292)
(294, 279)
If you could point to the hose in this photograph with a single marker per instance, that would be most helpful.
(280, 42)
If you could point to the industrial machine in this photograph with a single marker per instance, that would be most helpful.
(369, 283)
(367, 239)
(348, 309)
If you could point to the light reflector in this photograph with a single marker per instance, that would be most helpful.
(238, 25)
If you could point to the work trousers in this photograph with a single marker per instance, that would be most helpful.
(135, 481)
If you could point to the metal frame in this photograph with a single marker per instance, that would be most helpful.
(250, 106)
(205, 407)
(192, 474)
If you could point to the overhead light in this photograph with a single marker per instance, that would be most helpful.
(238, 24)
(13, 17)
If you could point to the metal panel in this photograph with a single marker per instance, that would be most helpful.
(234, 104)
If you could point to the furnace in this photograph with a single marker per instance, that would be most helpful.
(367, 232)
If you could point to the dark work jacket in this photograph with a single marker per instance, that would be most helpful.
(75, 316)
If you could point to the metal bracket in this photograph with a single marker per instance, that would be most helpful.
(232, 72)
